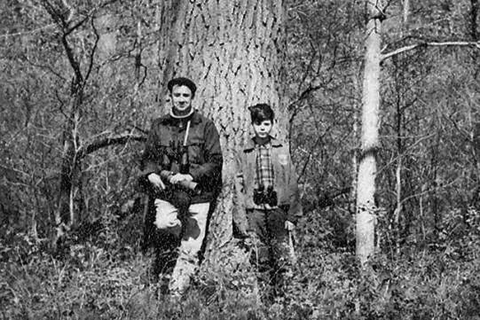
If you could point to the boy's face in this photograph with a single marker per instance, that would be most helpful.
(181, 97)
(262, 128)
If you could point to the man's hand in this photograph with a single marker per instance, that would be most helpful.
(176, 178)
(156, 181)
(289, 226)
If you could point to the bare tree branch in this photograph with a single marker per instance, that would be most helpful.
(304, 95)
(44, 67)
(107, 142)
(430, 44)
(94, 49)
(67, 31)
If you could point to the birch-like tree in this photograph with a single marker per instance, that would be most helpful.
(366, 203)
(367, 167)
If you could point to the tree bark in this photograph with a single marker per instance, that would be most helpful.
(233, 50)
(367, 170)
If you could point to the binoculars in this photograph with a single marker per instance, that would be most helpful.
(187, 185)
(180, 155)
(265, 196)
(184, 166)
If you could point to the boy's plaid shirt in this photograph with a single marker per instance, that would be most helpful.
(264, 174)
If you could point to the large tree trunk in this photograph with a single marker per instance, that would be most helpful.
(233, 50)
(367, 170)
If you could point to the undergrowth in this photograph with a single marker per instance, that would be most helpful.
(98, 280)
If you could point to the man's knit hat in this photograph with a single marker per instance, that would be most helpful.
(182, 82)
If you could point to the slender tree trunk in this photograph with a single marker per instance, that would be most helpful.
(475, 172)
(69, 203)
(367, 170)
(65, 214)
(435, 184)
(398, 171)
(233, 50)
(474, 7)
(353, 193)
(398, 178)
(406, 13)
(398, 230)
(422, 213)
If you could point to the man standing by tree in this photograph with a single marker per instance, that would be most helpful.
(181, 168)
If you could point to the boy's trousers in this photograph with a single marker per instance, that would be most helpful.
(271, 253)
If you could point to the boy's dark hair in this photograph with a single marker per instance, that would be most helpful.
(261, 112)
(182, 82)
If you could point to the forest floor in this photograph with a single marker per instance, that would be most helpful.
(94, 281)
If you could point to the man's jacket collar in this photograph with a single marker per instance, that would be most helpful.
(251, 144)
(168, 119)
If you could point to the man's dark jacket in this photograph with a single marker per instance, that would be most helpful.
(204, 151)
(205, 156)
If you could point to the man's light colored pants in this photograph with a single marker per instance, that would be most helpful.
(166, 218)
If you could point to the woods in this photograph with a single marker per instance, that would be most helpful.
(378, 100)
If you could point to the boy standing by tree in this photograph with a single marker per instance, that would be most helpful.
(267, 193)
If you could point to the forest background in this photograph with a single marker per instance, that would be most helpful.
(81, 81)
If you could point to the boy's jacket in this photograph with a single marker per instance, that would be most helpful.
(285, 182)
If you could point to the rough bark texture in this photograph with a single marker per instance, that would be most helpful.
(367, 170)
(233, 50)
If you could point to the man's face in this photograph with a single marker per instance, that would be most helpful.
(181, 97)
(262, 128)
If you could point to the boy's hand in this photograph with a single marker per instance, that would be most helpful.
(289, 226)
